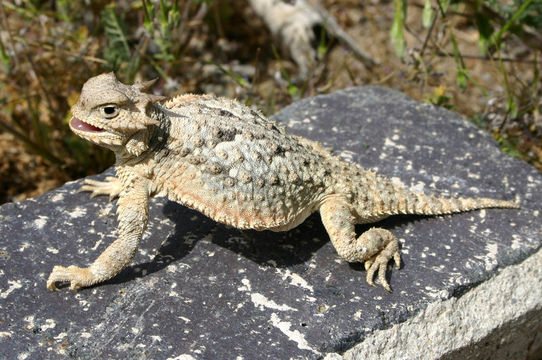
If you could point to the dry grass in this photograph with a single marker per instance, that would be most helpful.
(49, 51)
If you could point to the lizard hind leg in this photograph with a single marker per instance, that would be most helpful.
(376, 247)
(111, 186)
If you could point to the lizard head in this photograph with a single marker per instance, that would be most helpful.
(114, 115)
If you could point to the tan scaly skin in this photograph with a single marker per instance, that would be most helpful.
(238, 168)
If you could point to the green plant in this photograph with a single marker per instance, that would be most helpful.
(117, 50)
(159, 40)
(161, 23)
(498, 26)
(396, 33)
(293, 89)
(439, 98)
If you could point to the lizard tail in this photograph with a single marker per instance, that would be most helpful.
(421, 204)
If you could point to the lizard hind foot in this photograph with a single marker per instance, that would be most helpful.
(376, 246)
(375, 239)
(111, 186)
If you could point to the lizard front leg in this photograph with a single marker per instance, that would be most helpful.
(375, 247)
(133, 207)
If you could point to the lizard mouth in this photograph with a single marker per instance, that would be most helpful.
(80, 125)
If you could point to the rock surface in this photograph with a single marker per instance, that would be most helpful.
(198, 289)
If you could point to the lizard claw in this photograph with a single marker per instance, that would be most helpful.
(378, 266)
(379, 262)
(76, 276)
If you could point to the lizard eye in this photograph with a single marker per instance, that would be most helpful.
(110, 111)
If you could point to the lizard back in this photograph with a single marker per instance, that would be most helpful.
(235, 166)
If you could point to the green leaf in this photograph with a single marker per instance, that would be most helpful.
(4, 57)
(238, 78)
(510, 22)
(293, 91)
(461, 80)
(64, 11)
(485, 30)
(443, 6)
(512, 107)
(427, 14)
(462, 74)
(148, 16)
(322, 46)
(397, 35)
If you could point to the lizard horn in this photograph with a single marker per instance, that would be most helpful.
(145, 85)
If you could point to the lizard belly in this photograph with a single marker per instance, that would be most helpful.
(237, 211)
(242, 210)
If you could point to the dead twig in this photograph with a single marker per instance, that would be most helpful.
(336, 31)
(442, 53)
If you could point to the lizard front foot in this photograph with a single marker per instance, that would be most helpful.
(76, 276)
(111, 186)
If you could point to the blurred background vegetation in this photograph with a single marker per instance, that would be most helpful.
(478, 58)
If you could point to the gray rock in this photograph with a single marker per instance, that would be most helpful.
(198, 289)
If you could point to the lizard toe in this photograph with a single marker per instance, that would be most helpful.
(377, 265)
(76, 276)
(111, 186)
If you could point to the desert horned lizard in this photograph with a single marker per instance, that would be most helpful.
(236, 167)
